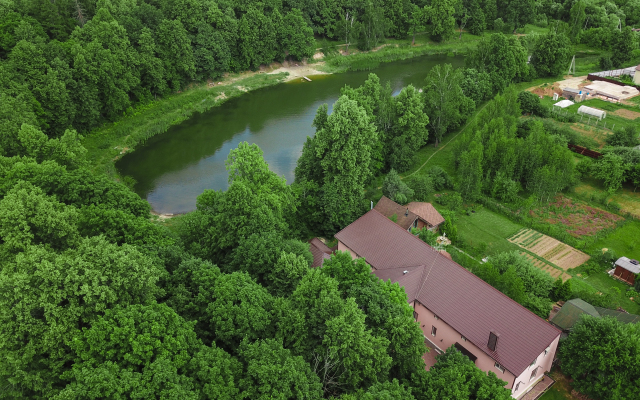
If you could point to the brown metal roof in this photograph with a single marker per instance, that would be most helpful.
(426, 212)
(388, 207)
(320, 252)
(464, 301)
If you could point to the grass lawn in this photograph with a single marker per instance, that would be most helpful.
(485, 226)
(561, 390)
(602, 282)
(625, 241)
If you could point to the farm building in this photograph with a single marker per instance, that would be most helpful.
(627, 269)
(576, 95)
(572, 310)
(414, 215)
(453, 306)
(592, 112)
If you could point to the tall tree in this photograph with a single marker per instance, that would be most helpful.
(343, 147)
(410, 128)
(445, 103)
(551, 53)
(441, 16)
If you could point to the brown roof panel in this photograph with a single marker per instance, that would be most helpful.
(388, 207)
(427, 212)
(464, 301)
(320, 252)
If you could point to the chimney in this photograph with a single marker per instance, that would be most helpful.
(406, 213)
(493, 341)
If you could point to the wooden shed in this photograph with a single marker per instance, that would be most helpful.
(627, 269)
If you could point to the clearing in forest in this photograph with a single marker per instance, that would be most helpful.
(548, 248)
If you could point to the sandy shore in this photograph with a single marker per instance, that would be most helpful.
(298, 71)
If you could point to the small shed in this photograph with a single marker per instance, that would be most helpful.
(592, 112)
(564, 103)
(573, 94)
(626, 269)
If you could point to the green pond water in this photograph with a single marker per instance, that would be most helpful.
(173, 168)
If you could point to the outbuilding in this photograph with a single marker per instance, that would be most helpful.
(627, 269)
(563, 104)
(573, 94)
(592, 112)
(636, 76)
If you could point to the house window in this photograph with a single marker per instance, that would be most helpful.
(433, 330)
(436, 317)
(463, 338)
(533, 363)
(499, 367)
(546, 351)
(517, 387)
(415, 223)
(533, 374)
(415, 315)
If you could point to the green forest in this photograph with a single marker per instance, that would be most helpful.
(98, 300)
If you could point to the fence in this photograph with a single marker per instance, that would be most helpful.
(584, 151)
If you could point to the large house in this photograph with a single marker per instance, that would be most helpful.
(453, 306)
(415, 215)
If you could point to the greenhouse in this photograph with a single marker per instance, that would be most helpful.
(592, 112)
(563, 103)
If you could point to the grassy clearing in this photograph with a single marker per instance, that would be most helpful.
(628, 200)
(107, 144)
(486, 229)
(603, 284)
(625, 241)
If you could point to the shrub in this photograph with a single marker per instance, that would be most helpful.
(422, 187)
(395, 189)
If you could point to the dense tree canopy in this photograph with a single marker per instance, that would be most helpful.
(615, 376)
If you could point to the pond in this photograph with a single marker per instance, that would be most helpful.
(174, 168)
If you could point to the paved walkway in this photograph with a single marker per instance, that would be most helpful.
(538, 389)
(430, 357)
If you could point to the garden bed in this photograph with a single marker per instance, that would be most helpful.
(579, 219)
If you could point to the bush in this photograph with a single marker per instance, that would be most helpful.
(440, 179)
(453, 201)
(605, 63)
(498, 25)
(422, 187)
(395, 189)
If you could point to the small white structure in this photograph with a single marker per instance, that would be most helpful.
(555, 96)
(636, 75)
(564, 104)
(592, 112)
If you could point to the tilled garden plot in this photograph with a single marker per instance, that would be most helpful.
(548, 248)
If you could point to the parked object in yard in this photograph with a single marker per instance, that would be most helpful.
(563, 104)
(592, 112)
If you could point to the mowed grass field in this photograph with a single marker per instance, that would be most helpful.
(485, 226)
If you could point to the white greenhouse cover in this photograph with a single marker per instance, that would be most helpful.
(594, 112)
(564, 103)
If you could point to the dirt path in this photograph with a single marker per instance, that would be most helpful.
(445, 145)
